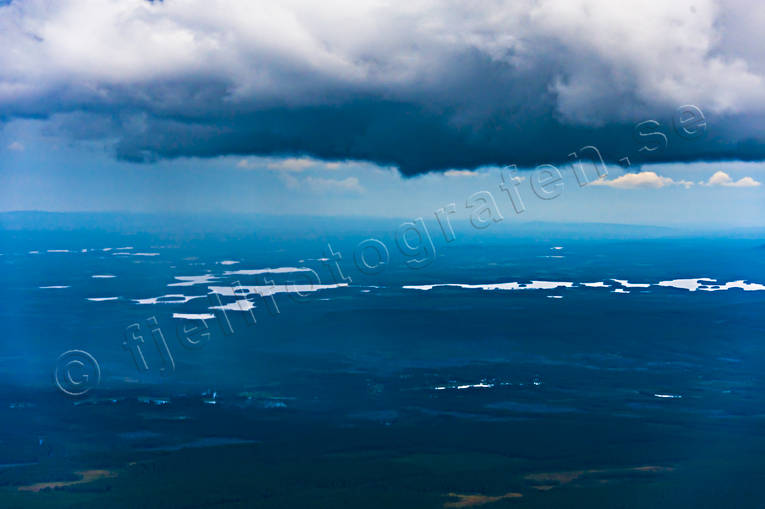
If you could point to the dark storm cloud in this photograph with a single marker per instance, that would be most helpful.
(423, 87)
(414, 139)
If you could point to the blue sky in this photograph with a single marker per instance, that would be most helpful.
(383, 109)
(40, 171)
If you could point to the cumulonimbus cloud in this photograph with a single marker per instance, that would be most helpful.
(421, 85)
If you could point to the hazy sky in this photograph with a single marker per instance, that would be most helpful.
(41, 172)
(294, 107)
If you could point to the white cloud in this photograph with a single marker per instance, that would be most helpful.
(644, 179)
(474, 173)
(292, 164)
(720, 178)
(460, 173)
(287, 164)
(611, 57)
(16, 146)
(319, 185)
(246, 164)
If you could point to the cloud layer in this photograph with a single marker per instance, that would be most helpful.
(421, 85)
